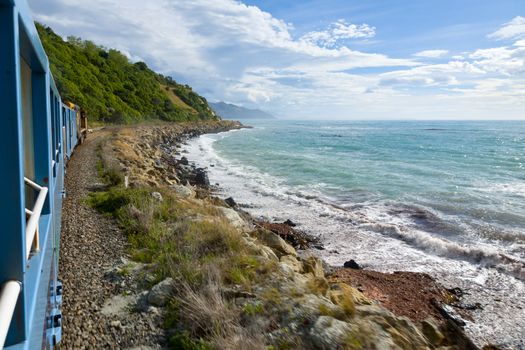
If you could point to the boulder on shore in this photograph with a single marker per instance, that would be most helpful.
(290, 223)
(201, 178)
(351, 264)
(230, 201)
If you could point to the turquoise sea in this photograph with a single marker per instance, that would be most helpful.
(442, 197)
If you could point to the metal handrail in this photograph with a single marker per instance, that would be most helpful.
(34, 216)
(8, 298)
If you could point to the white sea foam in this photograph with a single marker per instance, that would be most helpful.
(514, 188)
(386, 239)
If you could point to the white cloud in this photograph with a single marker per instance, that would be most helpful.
(513, 29)
(431, 53)
(338, 31)
(231, 51)
(507, 61)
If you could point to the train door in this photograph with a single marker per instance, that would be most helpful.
(71, 141)
(64, 134)
(77, 123)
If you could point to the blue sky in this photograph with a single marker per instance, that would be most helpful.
(328, 59)
(404, 26)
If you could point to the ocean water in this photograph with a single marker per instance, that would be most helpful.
(446, 198)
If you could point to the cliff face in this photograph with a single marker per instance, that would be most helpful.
(112, 89)
(219, 279)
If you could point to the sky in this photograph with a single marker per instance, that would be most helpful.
(321, 59)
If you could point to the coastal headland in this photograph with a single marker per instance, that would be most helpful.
(178, 267)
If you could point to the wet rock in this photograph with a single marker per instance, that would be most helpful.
(184, 161)
(471, 307)
(290, 223)
(449, 313)
(230, 201)
(160, 294)
(298, 239)
(351, 264)
(201, 178)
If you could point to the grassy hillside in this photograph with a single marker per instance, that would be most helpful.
(114, 90)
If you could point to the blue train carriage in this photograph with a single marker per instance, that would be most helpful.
(69, 130)
(33, 126)
(81, 125)
(74, 130)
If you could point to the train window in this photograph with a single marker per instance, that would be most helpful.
(27, 120)
(53, 125)
(57, 123)
(64, 135)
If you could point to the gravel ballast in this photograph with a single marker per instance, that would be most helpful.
(91, 244)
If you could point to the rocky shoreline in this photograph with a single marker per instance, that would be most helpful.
(300, 301)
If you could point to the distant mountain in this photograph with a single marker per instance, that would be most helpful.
(229, 111)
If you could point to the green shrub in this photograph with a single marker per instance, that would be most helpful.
(183, 341)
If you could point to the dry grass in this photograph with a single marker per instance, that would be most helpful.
(204, 310)
(192, 243)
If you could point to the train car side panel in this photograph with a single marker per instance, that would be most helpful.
(12, 266)
(32, 183)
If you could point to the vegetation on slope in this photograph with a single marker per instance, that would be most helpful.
(201, 256)
(114, 90)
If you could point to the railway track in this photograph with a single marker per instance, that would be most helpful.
(91, 245)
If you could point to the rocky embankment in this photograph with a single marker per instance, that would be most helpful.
(221, 280)
(150, 155)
